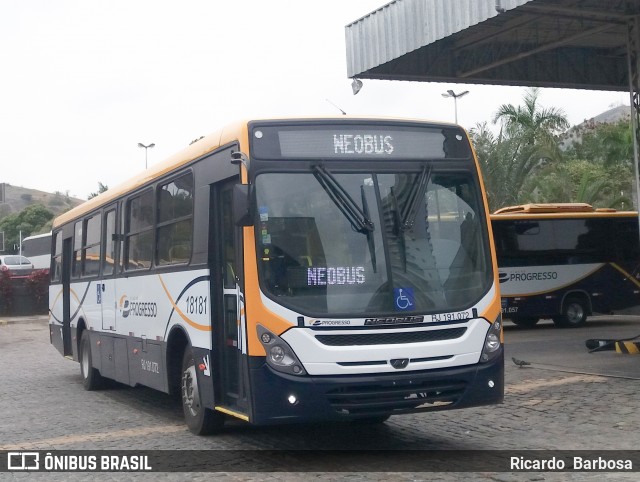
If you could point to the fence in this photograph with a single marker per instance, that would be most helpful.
(24, 295)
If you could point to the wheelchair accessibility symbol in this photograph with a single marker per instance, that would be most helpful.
(404, 298)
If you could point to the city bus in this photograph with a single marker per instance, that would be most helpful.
(566, 261)
(38, 249)
(287, 271)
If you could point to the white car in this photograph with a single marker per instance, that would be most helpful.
(16, 265)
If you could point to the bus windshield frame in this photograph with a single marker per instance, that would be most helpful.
(378, 221)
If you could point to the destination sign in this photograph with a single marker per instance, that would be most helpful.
(359, 142)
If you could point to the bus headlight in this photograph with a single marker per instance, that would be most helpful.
(492, 343)
(280, 356)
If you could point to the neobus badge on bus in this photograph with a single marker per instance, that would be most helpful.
(355, 142)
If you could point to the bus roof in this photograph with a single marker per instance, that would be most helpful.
(36, 236)
(237, 131)
(194, 151)
(548, 208)
(558, 210)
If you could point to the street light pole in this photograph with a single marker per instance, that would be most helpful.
(451, 93)
(140, 144)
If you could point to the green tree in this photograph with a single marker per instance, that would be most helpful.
(30, 220)
(605, 152)
(525, 144)
(608, 144)
(579, 180)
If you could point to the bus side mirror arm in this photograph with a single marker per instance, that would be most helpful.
(242, 215)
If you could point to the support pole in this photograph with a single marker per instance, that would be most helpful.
(633, 52)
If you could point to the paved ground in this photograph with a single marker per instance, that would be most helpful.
(12, 320)
(566, 399)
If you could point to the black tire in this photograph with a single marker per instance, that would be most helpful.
(574, 314)
(91, 378)
(199, 419)
(525, 321)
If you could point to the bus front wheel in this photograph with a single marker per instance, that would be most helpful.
(91, 378)
(200, 420)
(574, 314)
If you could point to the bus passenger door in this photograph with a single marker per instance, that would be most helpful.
(228, 322)
(108, 262)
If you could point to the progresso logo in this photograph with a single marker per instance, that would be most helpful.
(124, 306)
(331, 322)
(535, 276)
(137, 308)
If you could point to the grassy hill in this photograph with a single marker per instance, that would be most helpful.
(18, 198)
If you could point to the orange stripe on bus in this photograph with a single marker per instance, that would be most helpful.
(186, 319)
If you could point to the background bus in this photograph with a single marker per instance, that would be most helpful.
(291, 270)
(38, 249)
(566, 261)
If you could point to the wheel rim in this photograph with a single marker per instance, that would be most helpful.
(190, 394)
(575, 313)
(85, 361)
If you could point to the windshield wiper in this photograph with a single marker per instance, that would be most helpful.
(358, 219)
(410, 208)
(370, 240)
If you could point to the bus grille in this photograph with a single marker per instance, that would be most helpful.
(394, 399)
(391, 338)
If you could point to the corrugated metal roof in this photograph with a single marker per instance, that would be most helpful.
(402, 26)
(549, 43)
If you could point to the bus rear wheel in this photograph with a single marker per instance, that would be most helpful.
(91, 378)
(525, 321)
(200, 420)
(574, 314)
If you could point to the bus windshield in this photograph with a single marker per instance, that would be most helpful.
(367, 243)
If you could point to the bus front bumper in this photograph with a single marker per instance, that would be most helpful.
(280, 398)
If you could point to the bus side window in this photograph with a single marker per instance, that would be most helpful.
(109, 252)
(56, 258)
(91, 246)
(626, 240)
(593, 243)
(77, 250)
(139, 235)
(174, 234)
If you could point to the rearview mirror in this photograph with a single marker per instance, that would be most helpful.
(241, 205)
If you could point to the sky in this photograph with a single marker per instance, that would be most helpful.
(82, 82)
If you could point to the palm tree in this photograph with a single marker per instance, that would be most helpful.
(533, 123)
(526, 142)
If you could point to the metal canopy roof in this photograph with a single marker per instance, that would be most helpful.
(579, 44)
